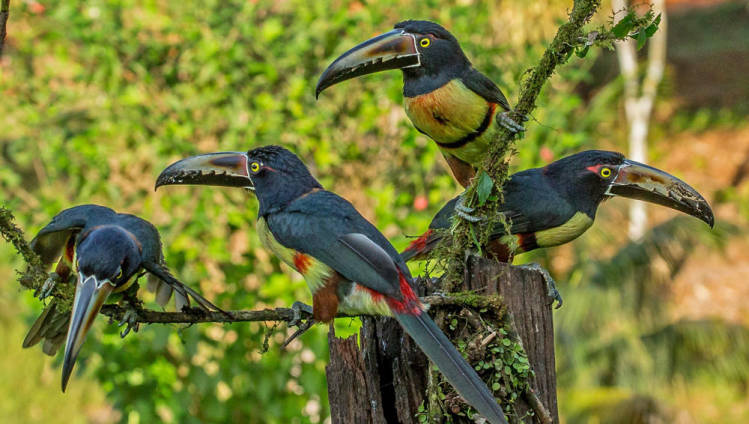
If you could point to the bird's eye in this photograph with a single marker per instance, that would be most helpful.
(254, 167)
(605, 172)
(425, 42)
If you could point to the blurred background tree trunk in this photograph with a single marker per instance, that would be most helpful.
(639, 98)
(384, 377)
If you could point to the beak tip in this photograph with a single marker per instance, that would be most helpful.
(320, 87)
(66, 372)
(710, 219)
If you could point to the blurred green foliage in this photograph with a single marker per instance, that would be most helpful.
(98, 97)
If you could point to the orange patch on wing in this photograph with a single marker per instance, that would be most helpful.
(302, 262)
(325, 300)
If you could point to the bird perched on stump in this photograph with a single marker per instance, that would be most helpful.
(556, 204)
(446, 98)
(348, 264)
(109, 251)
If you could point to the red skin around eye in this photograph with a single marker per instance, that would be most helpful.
(594, 169)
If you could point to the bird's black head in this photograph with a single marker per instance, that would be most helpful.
(107, 257)
(279, 177)
(276, 175)
(589, 177)
(585, 177)
(427, 53)
(109, 253)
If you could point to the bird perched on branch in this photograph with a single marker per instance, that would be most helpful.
(446, 98)
(348, 264)
(556, 204)
(109, 251)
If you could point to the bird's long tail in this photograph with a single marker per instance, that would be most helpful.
(458, 372)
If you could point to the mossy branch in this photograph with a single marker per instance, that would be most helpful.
(35, 274)
(570, 38)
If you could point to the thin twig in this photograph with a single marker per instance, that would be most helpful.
(539, 408)
(147, 316)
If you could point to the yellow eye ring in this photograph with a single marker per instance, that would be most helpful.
(118, 275)
(606, 172)
(425, 42)
(254, 167)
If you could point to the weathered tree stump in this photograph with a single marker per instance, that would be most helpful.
(383, 379)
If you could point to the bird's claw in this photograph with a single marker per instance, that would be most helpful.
(551, 286)
(506, 121)
(302, 328)
(299, 309)
(464, 211)
(49, 285)
(130, 318)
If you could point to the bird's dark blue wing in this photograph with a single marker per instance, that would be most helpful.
(51, 239)
(531, 204)
(484, 87)
(328, 228)
(146, 234)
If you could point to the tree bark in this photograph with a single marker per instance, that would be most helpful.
(384, 378)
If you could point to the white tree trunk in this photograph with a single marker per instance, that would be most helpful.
(639, 98)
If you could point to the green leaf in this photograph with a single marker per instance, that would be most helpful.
(623, 27)
(582, 52)
(642, 37)
(475, 239)
(484, 187)
(653, 27)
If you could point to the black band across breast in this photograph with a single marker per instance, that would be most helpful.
(473, 135)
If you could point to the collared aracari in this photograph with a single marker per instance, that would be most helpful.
(446, 98)
(556, 204)
(109, 252)
(348, 264)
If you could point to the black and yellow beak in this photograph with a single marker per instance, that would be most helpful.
(90, 295)
(393, 50)
(639, 181)
(228, 169)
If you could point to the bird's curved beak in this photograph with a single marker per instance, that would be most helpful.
(90, 295)
(392, 50)
(228, 169)
(639, 181)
